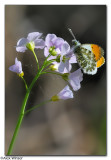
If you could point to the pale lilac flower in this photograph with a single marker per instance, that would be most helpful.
(52, 40)
(66, 93)
(75, 78)
(32, 41)
(17, 67)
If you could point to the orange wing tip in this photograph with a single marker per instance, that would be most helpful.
(100, 62)
(97, 51)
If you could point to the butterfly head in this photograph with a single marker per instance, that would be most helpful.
(76, 43)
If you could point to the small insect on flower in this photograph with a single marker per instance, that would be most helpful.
(66, 93)
(32, 41)
(17, 68)
(89, 56)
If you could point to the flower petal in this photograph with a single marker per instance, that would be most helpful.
(65, 48)
(39, 43)
(22, 42)
(21, 45)
(58, 51)
(52, 57)
(46, 51)
(50, 39)
(17, 67)
(58, 42)
(73, 59)
(64, 67)
(21, 49)
(71, 55)
(68, 67)
(66, 93)
(75, 78)
(61, 67)
(33, 36)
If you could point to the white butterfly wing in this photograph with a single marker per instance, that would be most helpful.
(86, 60)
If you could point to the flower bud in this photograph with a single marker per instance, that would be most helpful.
(30, 46)
(52, 51)
(55, 98)
(53, 67)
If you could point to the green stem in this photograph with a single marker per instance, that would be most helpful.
(47, 69)
(18, 123)
(15, 133)
(25, 83)
(21, 116)
(52, 73)
(42, 103)
(36, 59)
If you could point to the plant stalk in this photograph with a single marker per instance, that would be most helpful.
(21, 116)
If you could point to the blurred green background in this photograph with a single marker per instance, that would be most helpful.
(71, 127)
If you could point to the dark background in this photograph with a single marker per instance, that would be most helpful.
(72, 127)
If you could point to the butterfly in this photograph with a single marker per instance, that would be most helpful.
(90, 57)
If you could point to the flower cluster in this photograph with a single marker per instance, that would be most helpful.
(61, 51)
(59, 58)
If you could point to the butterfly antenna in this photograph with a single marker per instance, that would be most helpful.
(71, 33)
